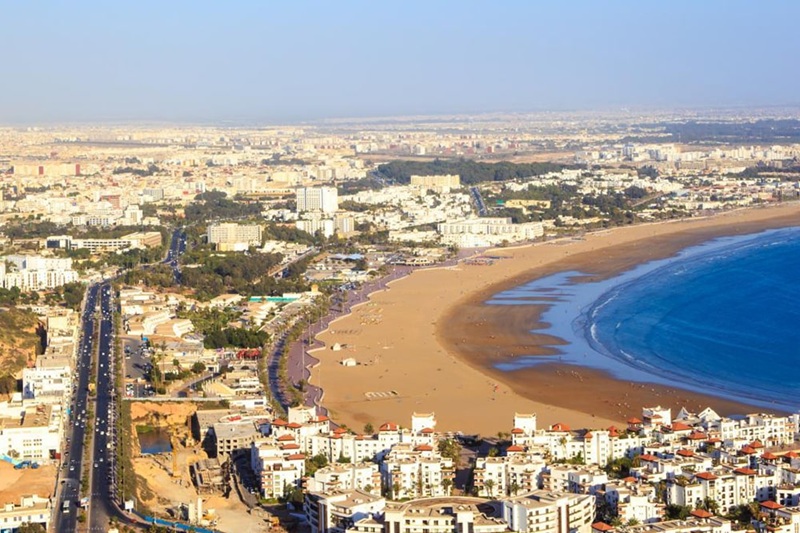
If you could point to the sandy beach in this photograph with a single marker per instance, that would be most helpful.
(428, 343)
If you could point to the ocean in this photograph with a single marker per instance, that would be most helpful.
(721, 318)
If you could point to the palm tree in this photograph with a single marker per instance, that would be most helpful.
(514, 488)
(489, 484)
(447, 483)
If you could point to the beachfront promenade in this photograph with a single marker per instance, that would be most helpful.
(300, 360)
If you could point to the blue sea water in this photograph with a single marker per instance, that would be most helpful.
(721, 318)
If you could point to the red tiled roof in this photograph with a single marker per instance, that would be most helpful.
(284, 438)
(517, 431)
(634, 420)
(294, 425)
(279, 422)
(295, 457)
(701, 513)
(680, 426)
(771, 505)
(588, 435)
(515, 448)
(791, 455)
(426, 430)
(745, 471)
(748, 450)
(756, 444)
(291, 446)
(708, 476)
(713, 440)
(339, 431)
(388, 427)
(559, 427)
(424, 448)
(696, 435)
(629, 479)
(602, 526)
(683, 452)
(768, 456)
(648, 457)
(322, 418)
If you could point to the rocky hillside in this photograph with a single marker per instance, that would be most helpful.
(19, 344)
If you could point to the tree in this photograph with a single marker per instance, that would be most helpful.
(368, 429)
(31, 527)
(198, 367)
(514, 488)
(447, 483)
(489, 484)
(677, 512)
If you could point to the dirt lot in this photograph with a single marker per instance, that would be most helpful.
(161, 491)
(233, 515)
(17, 483)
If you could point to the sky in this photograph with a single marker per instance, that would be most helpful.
(295, 60)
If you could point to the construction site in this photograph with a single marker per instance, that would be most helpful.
(183, 482)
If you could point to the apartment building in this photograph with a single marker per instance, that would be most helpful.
(487, 231)
(416, 471)
(324, 199)
(442, 515)
(551, 512)
(234, 436)
(512, 474)
(31, 272)
(279, 469)
(336, 513)
(441, 181)
(234, 237)
(348, 476)
(31, 510)
(31, 432)
(46, 384)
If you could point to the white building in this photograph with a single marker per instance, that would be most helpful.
(336, 513)
(550, 512)
(30, 433)
(32, 272)
(324, 199)
(230, 236)
(31, 510)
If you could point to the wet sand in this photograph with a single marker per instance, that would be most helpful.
(429, 342)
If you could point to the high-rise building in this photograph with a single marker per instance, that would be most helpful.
(323, 199)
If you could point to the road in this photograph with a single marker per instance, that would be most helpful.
(479, 203)
(102, 504)
(69, 489)
(177, 246)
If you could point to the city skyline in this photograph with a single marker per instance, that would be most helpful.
(249, 62)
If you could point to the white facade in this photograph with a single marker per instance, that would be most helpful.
(230, 234)
(31, 272)
(324, 199)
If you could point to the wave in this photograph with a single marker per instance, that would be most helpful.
(675, 321)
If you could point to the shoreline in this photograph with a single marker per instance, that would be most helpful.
(429, 343)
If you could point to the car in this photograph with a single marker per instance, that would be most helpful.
(71, 468)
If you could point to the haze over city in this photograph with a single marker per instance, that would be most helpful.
(407, 267)
(250, 61)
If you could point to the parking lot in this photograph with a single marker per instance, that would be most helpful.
(137, 365)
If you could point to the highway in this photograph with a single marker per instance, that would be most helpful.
(102, 504)
(72, 459)
(177, 246)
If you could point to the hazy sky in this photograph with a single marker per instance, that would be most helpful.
(294, 60)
